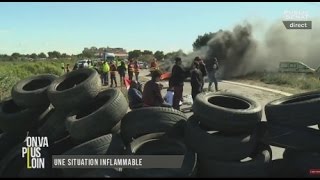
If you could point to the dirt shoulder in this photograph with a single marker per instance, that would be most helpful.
(271, 86)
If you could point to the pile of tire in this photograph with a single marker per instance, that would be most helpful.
(79, 118)
(72, 111)
(157, 131)
(224, 132)
(290, 122)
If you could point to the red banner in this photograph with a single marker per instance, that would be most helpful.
(127, 82)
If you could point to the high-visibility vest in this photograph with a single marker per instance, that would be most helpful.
(106, 67)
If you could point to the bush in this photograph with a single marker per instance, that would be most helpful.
(294, 80)
(12, 72)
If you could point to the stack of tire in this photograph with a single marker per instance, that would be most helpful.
(71, 110)
(20, 116)
(224, 133)
(291, 124)
(80, 119)
(157, 131)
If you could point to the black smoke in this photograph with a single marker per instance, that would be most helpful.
(231, 48)
(239, 52)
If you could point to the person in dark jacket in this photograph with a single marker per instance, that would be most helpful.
(196, 80)
(202, 68)
(212, 67)
(177, 82)
(113, 70)
(122, 72)
(135, 95)
(151, 95)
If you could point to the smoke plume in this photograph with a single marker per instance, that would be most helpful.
(240, 53)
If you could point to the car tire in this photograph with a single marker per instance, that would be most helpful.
(54, 127)
(32, 91)
(14, 165)
(302, 161)
(15, 119)
(303, 139)
(227, 112)
(280, 168)
(74, 89)
(105, 145)
(160, 144)
(300, 110)
(149, 120)
(99, 117)
(8, 141)
(219, 145)
(258, 166)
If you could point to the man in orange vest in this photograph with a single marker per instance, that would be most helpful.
(136, 70)
(130, 69)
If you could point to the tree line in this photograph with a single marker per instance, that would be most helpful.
(93, 52)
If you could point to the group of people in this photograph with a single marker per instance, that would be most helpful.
(66, 68)
(199, 71)
(118, 66)
(151, 94)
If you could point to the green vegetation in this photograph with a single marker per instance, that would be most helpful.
(292, 80)
(13, 71)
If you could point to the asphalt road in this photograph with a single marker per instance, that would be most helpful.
(262, 97)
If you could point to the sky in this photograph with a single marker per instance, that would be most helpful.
(36, 27)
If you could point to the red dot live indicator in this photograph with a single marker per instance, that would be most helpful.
(314, 172)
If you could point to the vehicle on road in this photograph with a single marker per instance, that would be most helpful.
(295, 67)
(298, 67)
(109, 57)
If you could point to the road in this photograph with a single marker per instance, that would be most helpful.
(261, 96)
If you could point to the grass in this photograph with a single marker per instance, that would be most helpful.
(12, 72)
(299, 81)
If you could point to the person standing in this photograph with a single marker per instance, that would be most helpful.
(177, 82)
(136, 70)
(122, 72)
(63, 68)
(113, 70)
(105, 73)
(68, 68)
(202, 68)
(212, 68)
(130, 69)
(196, 80)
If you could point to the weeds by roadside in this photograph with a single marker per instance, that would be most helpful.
(300, 81)
(12, 72)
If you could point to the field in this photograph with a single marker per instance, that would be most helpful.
(13, 71)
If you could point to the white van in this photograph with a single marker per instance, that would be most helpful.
(109, 57)
(295, 67)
